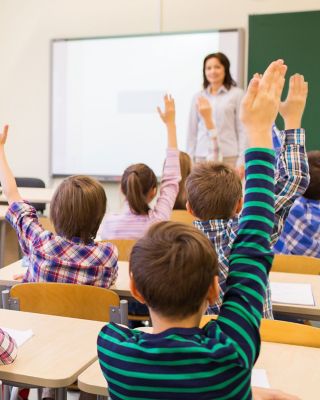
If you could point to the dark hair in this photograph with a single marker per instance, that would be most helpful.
(228, 80)
(136, 182)
(213, 190)
(185, 169)
(313, 190)
(173, 266)
(77, 208)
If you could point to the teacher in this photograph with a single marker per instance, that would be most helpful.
(215, 131)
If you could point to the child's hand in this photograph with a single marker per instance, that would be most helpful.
(291, 110)
(18, 277)
(260, 104)
(270, 394)
(169, 114)
(205, 110)
(3, 135)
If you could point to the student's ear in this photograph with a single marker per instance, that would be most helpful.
(239, 205)
(134, 291)
(213, 292)
(189, 209)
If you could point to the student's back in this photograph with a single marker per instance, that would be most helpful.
(139, 186)
(70, 255)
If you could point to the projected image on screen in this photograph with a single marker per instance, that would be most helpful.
(105, 93)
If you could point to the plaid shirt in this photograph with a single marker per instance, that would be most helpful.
(301, 233)
(53, 258)
(8, 348)
(292, 179)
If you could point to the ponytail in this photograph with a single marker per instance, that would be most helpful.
(136, 183)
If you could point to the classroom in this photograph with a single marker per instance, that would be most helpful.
(57, 71)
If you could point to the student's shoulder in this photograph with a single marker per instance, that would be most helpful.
(113, 332)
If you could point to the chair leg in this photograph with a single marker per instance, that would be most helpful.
(39, 393)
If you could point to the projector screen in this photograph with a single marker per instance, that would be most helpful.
(105, 92)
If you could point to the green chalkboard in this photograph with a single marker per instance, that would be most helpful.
(295, 37)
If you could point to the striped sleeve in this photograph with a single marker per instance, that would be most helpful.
(8, 348)
(250, 258)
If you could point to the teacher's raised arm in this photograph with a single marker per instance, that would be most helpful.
(215, 131)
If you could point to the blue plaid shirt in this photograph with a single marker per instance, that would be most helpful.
(301, 233)
(292, 179)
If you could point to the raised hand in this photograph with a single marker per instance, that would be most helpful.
(169, 114)
(205, 110)
(291, 110)
(3, 135)
(260, 104)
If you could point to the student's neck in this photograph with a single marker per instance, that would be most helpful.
(161, 324)
(214, 87)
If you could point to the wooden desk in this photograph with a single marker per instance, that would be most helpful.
(122, 288)
(293, 369)
(55, 356)
(33, 195)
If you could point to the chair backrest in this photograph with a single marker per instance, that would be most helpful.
(182, 216)
(33, 183)
(283, 332)
(296, 264)
(124, 247)
(66, 300)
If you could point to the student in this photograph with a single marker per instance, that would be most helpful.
(70, 256)
(173, 270)
(301, 233)
(185, 169)
(139, 185)
(220, 190)
(8, 348)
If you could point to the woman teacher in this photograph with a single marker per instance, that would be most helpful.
(215, 131)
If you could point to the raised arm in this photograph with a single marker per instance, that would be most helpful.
(251, 255)
(8, 182)
(292, 173)
(169, 186)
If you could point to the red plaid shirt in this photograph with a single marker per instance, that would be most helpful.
(8, 348)
(53, 258)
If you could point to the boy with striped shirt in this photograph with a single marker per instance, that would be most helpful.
(174, 270)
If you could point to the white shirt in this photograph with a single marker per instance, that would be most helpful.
(231, 135)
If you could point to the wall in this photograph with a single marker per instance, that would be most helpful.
(27, 26)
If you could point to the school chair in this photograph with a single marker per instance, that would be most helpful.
(67, 300)
(124, 247)
(33, 183)
(296, 264)
(182, 216)
(283, 332)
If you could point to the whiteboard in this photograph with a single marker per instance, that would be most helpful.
(104, 94)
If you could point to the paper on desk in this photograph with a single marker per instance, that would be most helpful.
(19, 336)
(259, 378)
(292, 293)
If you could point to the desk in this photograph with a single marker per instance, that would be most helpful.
(33, 195)
(59, 351)
(293, 369)
(122, 288)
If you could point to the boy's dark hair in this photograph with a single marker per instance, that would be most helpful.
(136, 182)
(213, 190)
(77, 208)
(185, 169)
(228, 80)
(313, 190)
(173, 266)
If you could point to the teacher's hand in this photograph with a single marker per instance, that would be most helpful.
(205, 110)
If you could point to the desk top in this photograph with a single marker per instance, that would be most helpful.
(59, 351)
(34, 195)
(301, 379)
(122, 287)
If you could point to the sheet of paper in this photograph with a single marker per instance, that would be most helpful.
(292, 293)
(19, 336)
(259, 378)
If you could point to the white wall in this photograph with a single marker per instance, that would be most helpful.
(27, 26)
